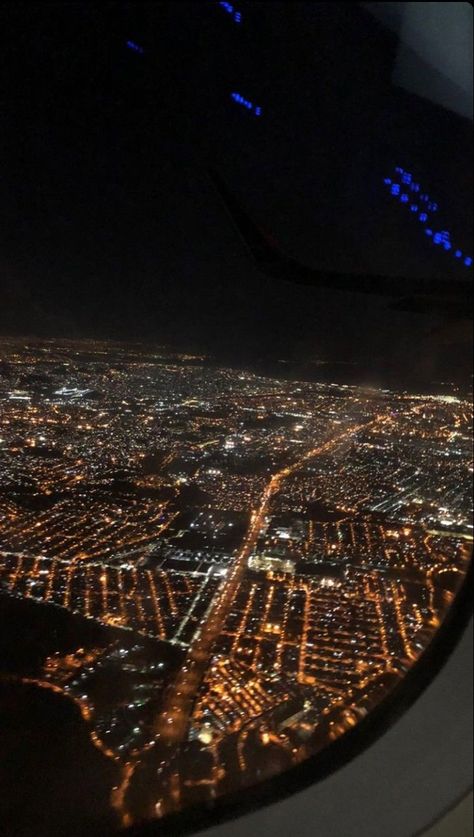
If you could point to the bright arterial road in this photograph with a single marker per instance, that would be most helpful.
(171, 725)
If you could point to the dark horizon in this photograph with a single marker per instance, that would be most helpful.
(114, 230)
(427, 379)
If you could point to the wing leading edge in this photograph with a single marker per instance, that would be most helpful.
(451, 297)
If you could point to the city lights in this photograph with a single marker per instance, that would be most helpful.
(251, 592)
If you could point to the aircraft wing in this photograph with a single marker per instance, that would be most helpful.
(450, 297)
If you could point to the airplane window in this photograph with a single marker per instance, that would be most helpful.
(235, 395)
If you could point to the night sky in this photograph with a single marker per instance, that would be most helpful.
(112, 228)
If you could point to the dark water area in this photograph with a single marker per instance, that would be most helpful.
(348, 373)
(31, 631)
(362, 373)
(53, 781)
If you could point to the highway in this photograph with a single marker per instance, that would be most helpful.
(172, 723)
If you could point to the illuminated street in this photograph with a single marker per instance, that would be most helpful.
(259, 560)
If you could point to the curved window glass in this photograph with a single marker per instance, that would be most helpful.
(235, 392)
